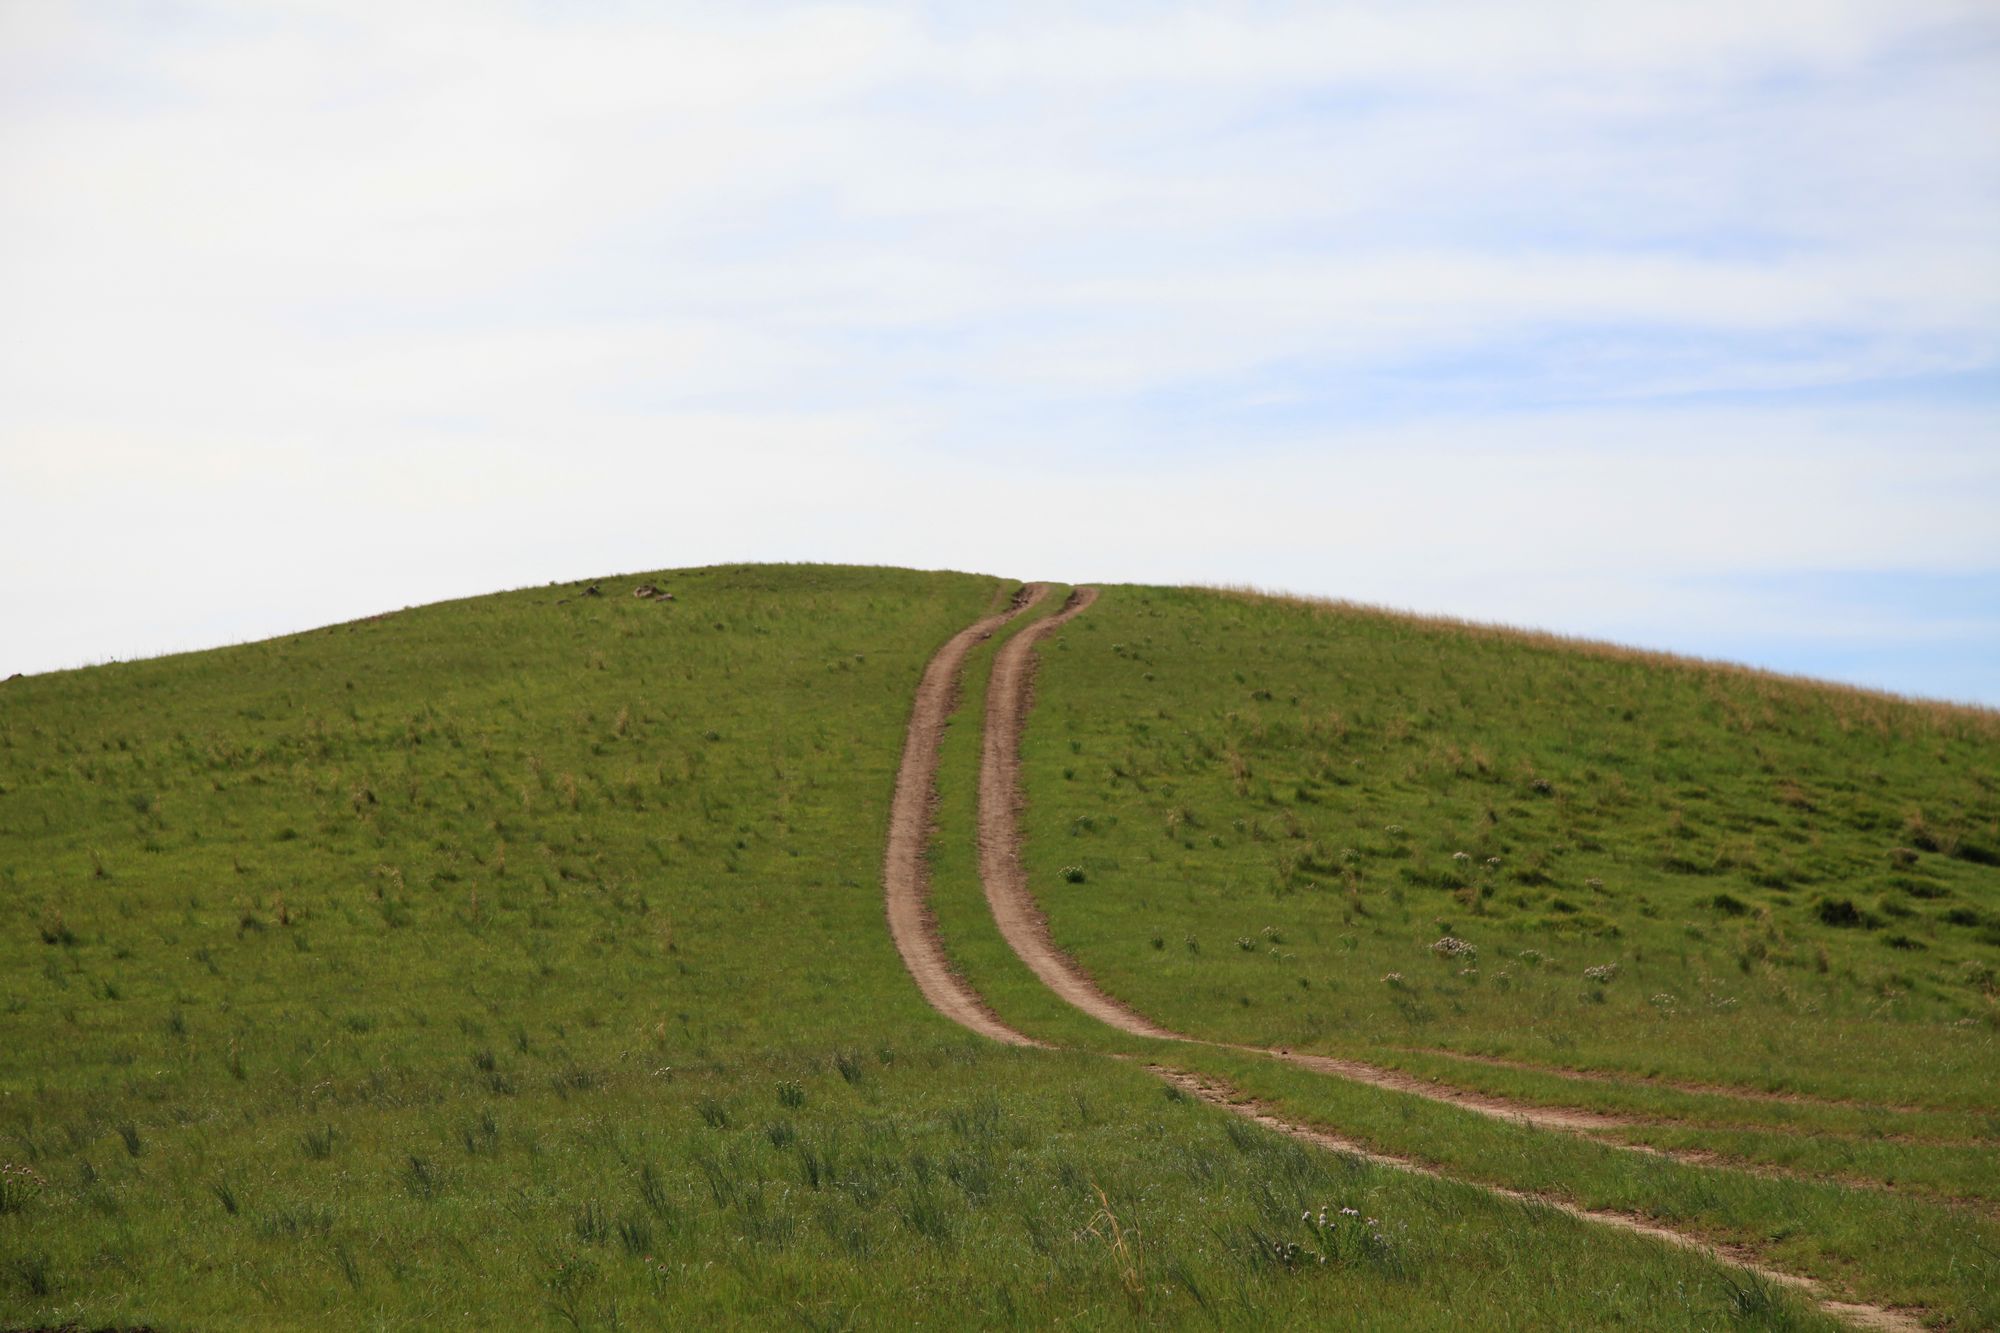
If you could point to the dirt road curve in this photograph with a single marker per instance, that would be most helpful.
(1858, 1314)
(1008, 698)
(905, 883)
(1021, 922)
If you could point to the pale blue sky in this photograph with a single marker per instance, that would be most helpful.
(1675, 323)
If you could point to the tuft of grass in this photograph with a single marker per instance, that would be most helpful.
(55, 929)
(420, 1178)
(591, 1224)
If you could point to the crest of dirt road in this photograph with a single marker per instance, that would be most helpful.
(1025, 929)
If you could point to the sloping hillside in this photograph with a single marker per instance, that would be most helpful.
(525, 959)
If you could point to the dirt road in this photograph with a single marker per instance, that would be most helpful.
(1859, 1314)
(1009, 696)
(1008, 699)
(905, 881)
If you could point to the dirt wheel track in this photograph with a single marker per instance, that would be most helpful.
(905, 880)
(1022, 923)
(1008, 698)
(1858, 1314)
(1026, 929)
(1736, 1091)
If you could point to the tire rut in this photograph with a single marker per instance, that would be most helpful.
(1026, 930)
(905, 876)
(1008, 697)
(1734, 1091)
(1857, 1313)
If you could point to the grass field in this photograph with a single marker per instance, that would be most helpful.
(522, 960)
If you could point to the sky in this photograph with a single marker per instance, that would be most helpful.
(1676, 324)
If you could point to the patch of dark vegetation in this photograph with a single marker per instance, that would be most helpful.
(1977, 853)
(1842, 914)
(55, 930)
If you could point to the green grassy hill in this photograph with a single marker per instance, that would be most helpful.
(522, 960)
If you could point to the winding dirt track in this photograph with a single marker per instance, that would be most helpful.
(1021, 922)
(1009, 696)
(1859, 1314)
(905, 881)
